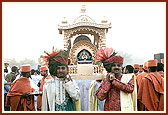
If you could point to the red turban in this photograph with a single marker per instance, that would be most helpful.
(114, 59)
(57, 56)
(107, 56)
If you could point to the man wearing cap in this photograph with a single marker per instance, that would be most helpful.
(136, 69)
(19, 97)
(60, 92)
(44, 73)
(151, 90)
(140, 69)
(115, 90)
(139, 79)
(141, 75)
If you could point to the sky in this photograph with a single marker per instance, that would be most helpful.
(138, 29)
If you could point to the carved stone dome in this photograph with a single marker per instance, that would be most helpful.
(83, 18)
(81, 37)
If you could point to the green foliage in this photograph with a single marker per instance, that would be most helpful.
(114, 53)
(99, 63)
(41, 56)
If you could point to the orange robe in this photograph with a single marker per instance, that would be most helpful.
(151, 92)
(161, 73)
(39, 97)
(139, 80)
(14, 99)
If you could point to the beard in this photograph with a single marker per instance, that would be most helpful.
(61, 75)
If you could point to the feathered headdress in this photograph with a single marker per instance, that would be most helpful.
(107, 56)
(57, 55)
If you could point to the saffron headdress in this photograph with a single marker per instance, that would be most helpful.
(25, 68)
(43, 68)
(152, 63)
(145, 66)
(136, 66)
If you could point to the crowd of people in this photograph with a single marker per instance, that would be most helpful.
(131, 88)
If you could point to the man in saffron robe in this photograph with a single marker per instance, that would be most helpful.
(136, 69)
(44, 73)
(139, 79)
(19, 97)
(112, 89)
(151, 90)
(140, 69)
(141, 75)
(61, 92)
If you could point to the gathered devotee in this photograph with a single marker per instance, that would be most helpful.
(44, 73)
(18, 97)
(115, 89)
(151, 89)
(61, 92)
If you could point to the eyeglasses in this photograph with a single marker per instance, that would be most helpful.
(119, 65)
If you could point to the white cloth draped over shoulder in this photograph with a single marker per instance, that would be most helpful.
(126, 99)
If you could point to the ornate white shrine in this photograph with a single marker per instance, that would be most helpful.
(83, 49)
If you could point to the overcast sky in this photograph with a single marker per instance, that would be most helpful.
(138, 29)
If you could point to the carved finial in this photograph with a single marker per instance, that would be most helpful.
(104, 20)
(83, 9)
(64, 21)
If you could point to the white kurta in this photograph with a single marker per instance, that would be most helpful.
(57, 93)
(84, 93)
(94, 103)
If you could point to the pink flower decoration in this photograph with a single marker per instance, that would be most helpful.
(104, 53)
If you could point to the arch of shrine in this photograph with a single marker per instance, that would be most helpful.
(83, 38)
